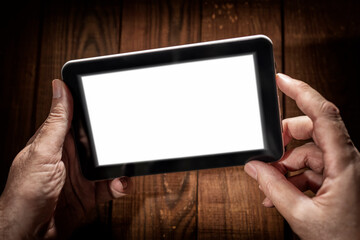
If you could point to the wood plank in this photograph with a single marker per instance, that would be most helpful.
(74, 29)
(164, 205)
(18, 58)
(71, 30)
(229, 204)
(321, 48)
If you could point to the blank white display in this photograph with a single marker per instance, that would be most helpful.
(172, 111)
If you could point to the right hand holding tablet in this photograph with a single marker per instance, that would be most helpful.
(334, 170)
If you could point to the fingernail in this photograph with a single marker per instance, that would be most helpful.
(260, 188)
(251, 170)
(267, 203)
(284, 77)
(56, 87)
(123, 182)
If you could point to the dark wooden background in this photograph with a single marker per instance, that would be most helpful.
(316, 41)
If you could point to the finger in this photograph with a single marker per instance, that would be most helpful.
(112, 189)
(308, 155)
(35, 135)
(283, 194)
(299, 128)
(308, 99)
(308, 180)
(267, 203)
(51, 135)
(329, 132)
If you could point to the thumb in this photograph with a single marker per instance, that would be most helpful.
(284, 195)
(51, 135)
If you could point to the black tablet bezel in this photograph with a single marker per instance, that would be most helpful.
(259, 45)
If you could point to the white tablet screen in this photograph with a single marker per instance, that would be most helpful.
(172, 111)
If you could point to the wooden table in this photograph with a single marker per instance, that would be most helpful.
(316, 41)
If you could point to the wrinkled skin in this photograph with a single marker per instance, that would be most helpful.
(333, 170)
(46, 195)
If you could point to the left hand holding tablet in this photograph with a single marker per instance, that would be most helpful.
(46, 195)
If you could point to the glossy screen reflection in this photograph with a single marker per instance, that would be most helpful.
(173, 111)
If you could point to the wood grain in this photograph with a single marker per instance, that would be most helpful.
(229, 205)
(71, 30)
(320, 42)
(18, 68)
(322, 48)
(163, 206)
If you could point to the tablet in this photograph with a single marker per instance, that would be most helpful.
(196, 106)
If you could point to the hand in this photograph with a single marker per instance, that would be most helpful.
(46, 194)
(334, 170)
